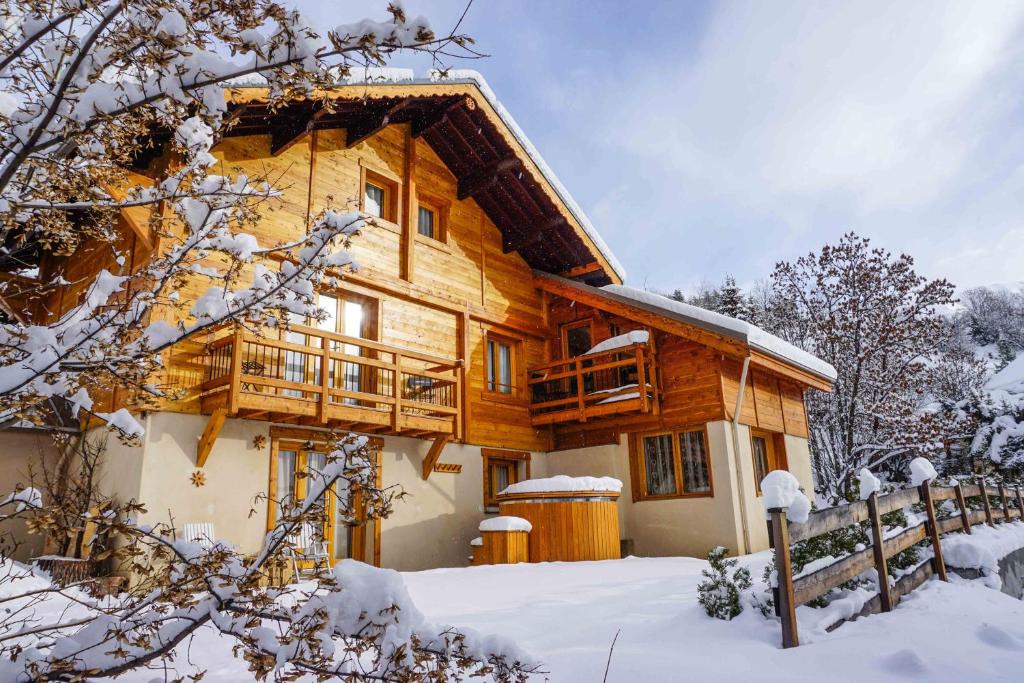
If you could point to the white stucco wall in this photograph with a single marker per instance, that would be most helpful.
(18, 449)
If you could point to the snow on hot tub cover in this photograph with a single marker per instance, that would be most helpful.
(506, 523)
(752, 334)
(562, 483)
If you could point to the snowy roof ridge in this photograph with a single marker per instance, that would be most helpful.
(403, 76)
(751, 335)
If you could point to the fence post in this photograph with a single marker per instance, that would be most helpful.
(878, 550)
(985, 501)
(1020, 503)
(784, 570)
(1006, 503)
(965, 518)
(938, 564)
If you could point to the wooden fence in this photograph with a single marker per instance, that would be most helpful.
(795, 591)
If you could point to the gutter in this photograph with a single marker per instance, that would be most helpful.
(741, 489)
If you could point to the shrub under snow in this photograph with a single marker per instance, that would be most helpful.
(719, 594)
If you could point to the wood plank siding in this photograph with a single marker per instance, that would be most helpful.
(498, 222)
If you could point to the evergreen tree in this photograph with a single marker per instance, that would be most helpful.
(731, 300)
(720, 594)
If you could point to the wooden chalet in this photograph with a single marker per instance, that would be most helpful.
(485, 338)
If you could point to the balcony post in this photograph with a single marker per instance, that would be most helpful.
(325, 385)
(459, 370)
(581, 402)
(641, 378)
(396, 392)
(235, 386)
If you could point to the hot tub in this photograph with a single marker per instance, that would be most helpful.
(568, 525)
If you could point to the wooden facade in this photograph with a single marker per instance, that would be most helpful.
(429, 309)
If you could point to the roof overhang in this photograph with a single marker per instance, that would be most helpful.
(723, 338)
(476, 137)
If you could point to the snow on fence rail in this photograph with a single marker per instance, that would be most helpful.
(793, 592)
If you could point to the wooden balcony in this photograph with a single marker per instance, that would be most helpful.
(331, 380)
(594, 386)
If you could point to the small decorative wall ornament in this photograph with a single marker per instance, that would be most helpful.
(198, 478)
(259, 441)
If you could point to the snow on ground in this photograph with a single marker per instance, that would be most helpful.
(567, 614)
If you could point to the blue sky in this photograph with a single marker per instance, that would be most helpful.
(713, 138)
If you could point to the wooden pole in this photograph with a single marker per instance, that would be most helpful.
(325, 387)
(581, 403)
(965, 518)
(236, 372)
(784, 570)
(396, 393)
(1020, 502)
(985, 501)
(1005, 501)
(938, 564)
(878, 550)
(641, 378)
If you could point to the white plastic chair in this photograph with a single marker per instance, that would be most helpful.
(199, 532)
(306, 547)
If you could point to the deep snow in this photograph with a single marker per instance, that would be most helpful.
(566, 615)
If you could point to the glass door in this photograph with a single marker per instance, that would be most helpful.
(345, 538)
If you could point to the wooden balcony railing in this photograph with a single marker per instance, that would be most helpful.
(615, 382)
(329, 379)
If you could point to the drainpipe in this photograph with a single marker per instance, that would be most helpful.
(742, 490)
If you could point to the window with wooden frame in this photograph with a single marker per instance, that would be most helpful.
(768, 450)
(380, 196)
(501, 365)
(671, 464)
(431, 218)
(502, 469)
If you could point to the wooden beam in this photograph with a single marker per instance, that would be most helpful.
(210, 434)
(585, 269)
(535, 234)
(434, 454)
(486, 177)
(407, 256)
(423, 124)
(282, 138)
(374, 122)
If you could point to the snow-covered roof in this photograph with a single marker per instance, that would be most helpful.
(752, 335)
(1010, 378)
(400, 76)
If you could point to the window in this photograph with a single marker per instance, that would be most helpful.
(671, 464)
(768, 451)
(694, 454)
(576, 339)
(659, 465)
(380, 196)
(373, 202)
(432, 218)
(501, 361)
(502, 469)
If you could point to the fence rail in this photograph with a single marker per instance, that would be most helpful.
(794, 591)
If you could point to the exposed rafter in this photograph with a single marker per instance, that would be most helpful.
(374, 122)
(283, 137)
(484, 178)
(534, 234)
(424, 123)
